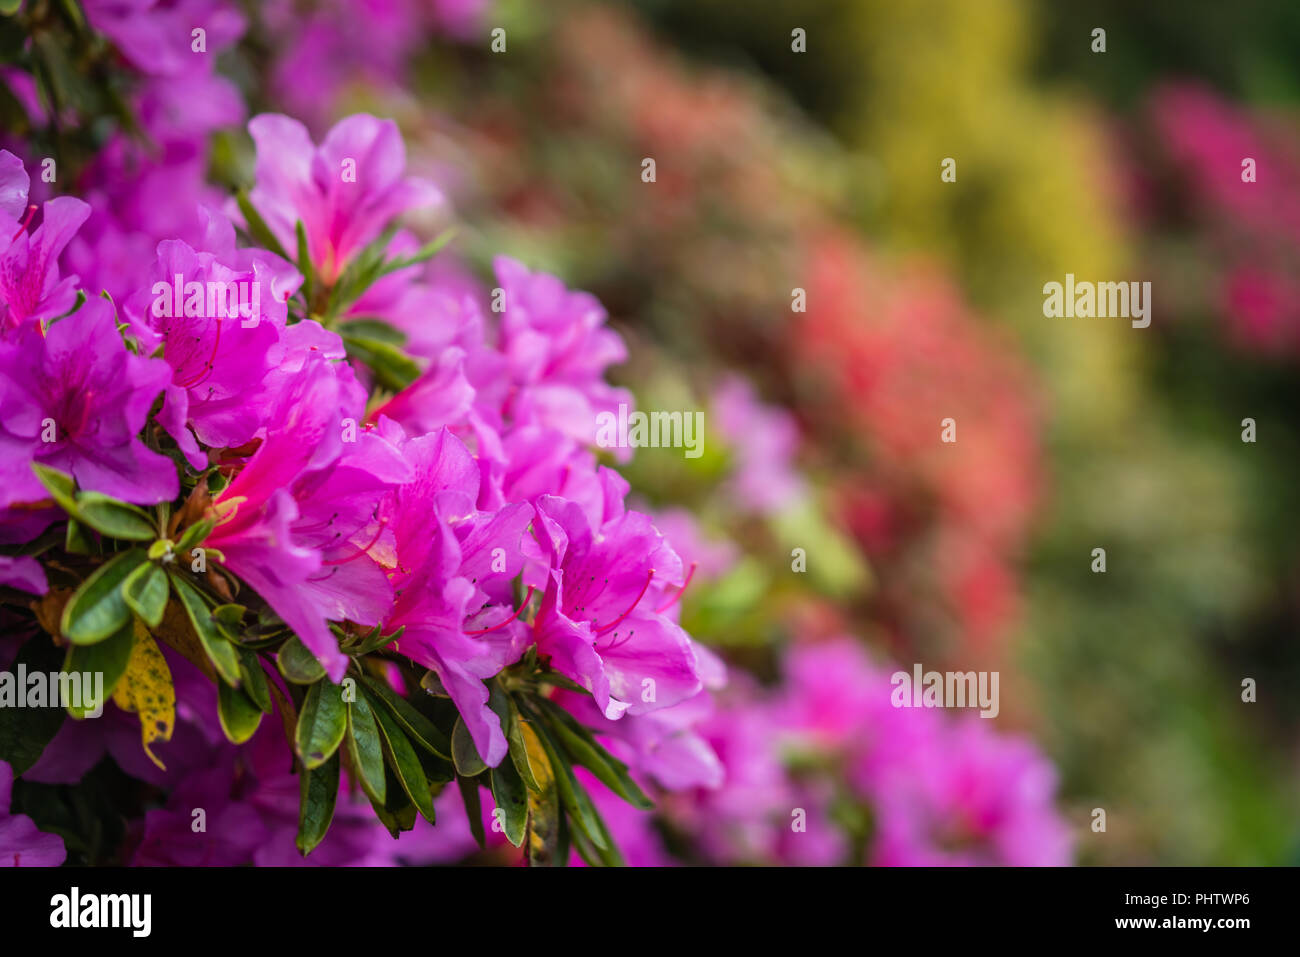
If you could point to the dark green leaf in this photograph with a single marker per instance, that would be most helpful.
(97, 609)
(583, 748)
(321, 723)
(511, 799)
(577, 804)
(473, 807)
(108, 657)
(366, 749)
(217, 647)
(420, 728)
(404, 762)
(24, 732)
(145, 593)
(319, 789)
(253, 679)
(504, 707)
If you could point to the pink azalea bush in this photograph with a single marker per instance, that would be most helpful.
(330, 519)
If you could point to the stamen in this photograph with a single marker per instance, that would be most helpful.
(206, 370)
(31, 211)
(632, 608)
(681, 591)
(365, 551)
(501, 624)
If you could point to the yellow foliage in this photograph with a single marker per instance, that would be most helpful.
(147, 689)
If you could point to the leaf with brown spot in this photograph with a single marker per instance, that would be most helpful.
(146, 689)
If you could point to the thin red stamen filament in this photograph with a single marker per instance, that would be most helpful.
(365, 551)
(501, 624)
(631, 608)
(206, 370)
(31, 211)
(681, 591)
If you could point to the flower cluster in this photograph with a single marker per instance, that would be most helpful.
(324, 508)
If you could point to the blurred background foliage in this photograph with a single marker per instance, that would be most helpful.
(820, 170)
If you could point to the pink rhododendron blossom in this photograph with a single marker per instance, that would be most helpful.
(76, 399)
(344, 191)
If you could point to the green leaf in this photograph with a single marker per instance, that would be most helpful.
(366, 749)
(60, 485)
(318, 790)
(145, 593)
(304, 264)
(504, 707)
(297, 664)
(375, 641)
(9, 7)
(109, 657)
(217, 647)
(547, 837)
(404, 762)
(322, 723)
(511, 799)
(368, 328)
(239, 714)
(98, 609)
(397, 813)
(392, 367)
(257, 228)
(420, 728)
(114, 518)
(423, 254)
(77, 541)
(577, 804)
(24, 732)
(583, 748)
(194, 535)
(463, 753)
(473, 808)
(253, 679)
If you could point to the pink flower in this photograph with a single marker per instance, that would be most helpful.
(31, 289)
(452, 584)
(345, 192)
(300, 522)
(76, 400)
(599, 623)
(21, 844)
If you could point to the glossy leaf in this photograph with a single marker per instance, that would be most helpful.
(318, 792)
(216, 646)
(322, 723)
(145, 593)
(97, 609)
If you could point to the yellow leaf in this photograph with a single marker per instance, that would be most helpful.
(147, 689)
(544, 805)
